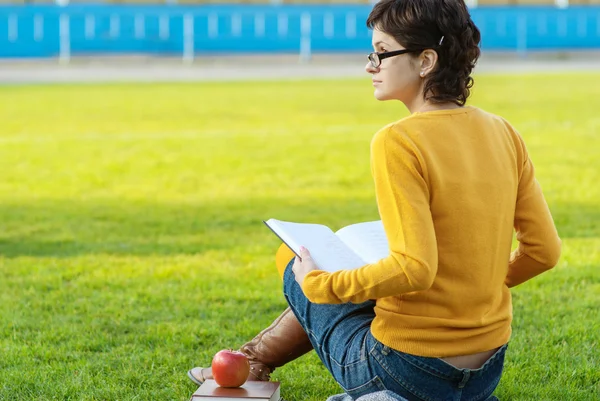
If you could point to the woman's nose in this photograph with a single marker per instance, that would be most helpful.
(370, 69)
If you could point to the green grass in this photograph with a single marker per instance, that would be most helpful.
(132, 248)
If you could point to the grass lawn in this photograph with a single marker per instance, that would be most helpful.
(132, 247)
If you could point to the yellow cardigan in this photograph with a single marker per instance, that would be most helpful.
(451, 186)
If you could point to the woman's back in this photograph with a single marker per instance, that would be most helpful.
(472, 163)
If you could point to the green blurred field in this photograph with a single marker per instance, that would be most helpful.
(132, 247)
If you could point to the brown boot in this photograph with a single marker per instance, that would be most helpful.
(283, 341)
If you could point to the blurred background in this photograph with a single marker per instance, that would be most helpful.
(290, 32)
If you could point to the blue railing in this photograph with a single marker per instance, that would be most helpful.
(49, 31)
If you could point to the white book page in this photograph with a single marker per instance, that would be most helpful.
(326, 249)
(368, 240)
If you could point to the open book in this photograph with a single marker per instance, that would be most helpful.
(349, 248)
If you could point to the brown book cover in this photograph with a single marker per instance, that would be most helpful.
(251, 390)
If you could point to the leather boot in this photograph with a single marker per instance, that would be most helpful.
(283, 341)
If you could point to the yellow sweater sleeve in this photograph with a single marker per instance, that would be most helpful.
(403, 200)
(539, 244)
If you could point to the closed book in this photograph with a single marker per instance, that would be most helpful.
(251, 390)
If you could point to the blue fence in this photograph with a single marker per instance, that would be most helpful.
(49, 31)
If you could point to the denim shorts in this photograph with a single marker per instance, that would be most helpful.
(341, 336)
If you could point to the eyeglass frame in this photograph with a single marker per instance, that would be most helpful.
(383, 55)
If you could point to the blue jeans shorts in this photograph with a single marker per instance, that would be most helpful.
(341, 336)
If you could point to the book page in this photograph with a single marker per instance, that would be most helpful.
(368, 240)
(326, 249)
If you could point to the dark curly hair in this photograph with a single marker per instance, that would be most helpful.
(419, 25)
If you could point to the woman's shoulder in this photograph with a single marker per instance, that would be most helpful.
(500, 122)
(391, 131)
(395, 135)
(490, 115)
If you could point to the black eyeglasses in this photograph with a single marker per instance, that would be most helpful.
(375, 58)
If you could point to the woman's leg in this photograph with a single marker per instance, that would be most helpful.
(338, 334)
(362, 365)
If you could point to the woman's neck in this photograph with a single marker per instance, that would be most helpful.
(426, 105)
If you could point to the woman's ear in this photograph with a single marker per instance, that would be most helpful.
(428, 60)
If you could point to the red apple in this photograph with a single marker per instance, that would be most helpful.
(230, 368)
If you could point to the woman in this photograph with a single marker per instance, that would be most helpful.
(433, 319)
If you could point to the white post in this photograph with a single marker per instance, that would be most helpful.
(64, 32)
(163, 27)
(350, 25)
(213, 25)
(13, 27)
(561, 3)
(259, 25)
(236, 25)
(328, 26)
(471, 3)
(114, 26)
(139, 26)
(90, 26)
(522, 35)
(305, 45)
(188, 38)
(38, 27)
(282, 25)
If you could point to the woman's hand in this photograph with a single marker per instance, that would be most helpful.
(303, 265)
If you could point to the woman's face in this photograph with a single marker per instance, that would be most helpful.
(398, 77)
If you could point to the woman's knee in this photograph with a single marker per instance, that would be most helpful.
(288, 277)
(282, 257)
